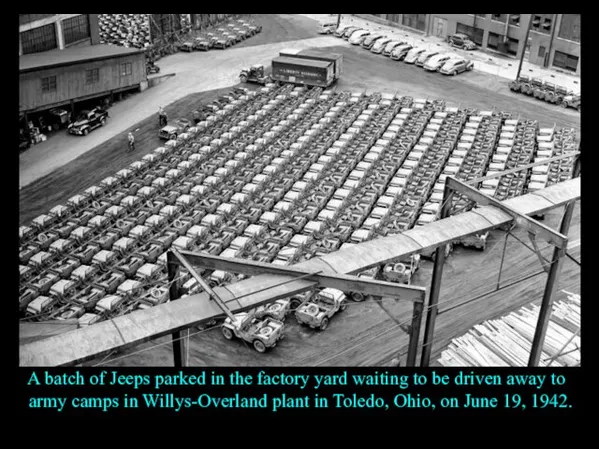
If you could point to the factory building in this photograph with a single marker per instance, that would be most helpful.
(553, 40)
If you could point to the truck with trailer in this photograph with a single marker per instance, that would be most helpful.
(309, 72)
(335, 58)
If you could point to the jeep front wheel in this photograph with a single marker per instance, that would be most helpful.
(343, 306)
(227, 333)
(243, 78)
(85, 131)
(259, 346)
(102, 121)
(324, 323)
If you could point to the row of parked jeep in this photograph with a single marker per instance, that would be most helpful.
(223, 37)
(399, 49)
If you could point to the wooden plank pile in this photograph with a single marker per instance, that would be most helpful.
(507, 341)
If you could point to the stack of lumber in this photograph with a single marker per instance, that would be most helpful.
(507, 341)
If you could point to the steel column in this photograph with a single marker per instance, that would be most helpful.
(414, 334)
(556, 264)
(433, 301)
(173, 291)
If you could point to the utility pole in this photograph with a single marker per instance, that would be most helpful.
(548, 54)
(525, 45)
(338, 20)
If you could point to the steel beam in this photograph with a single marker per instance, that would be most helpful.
(531, 225)
(178, 258)
(341, 282)
(433, 301)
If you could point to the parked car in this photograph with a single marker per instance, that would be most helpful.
(170, 132)
(425, 56)
(455, 66)
(461, 41)
(327, 28)
(341, 29)
(186, 46)
(347, 33)
(400, 52)
(202, 43)
(358, 37)
(437, 61)
(413, 55)
(260, 333)
(370, 40)
(88, 121)
(379, 45)
(318, 309)
(392, 45)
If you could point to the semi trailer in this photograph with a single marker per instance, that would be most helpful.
(309, 72)
(335, 58)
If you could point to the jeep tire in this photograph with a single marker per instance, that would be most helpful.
(227, 333)
(324, 324)
(259, 346)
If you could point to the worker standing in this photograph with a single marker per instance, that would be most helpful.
(131, 142)
(162, 117)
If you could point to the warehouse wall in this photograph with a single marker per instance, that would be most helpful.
(71, 81)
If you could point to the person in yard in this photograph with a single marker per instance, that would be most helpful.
(131, 142)
(162, 117)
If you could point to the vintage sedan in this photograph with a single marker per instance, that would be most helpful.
(437, 61)
(400, 52)
(455, 66)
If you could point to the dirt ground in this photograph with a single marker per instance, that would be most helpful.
(366, 333)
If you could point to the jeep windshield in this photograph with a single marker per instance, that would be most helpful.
(325, 301)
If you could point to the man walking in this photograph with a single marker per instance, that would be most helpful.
(162, 117)
(131, 142)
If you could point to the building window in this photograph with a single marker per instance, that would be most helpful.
(541, 52)
(515, 20)
(499, 17)
(475, 34)
(542, 23)
(512, 46)
(75, 29)
(569, 27)
(565, 61)
(49, 84)
(92, 76)
(414, 21)
(126, 69)
(39, 39)
(493, 40)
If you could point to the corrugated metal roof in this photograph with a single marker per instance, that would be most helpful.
(74, 55)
